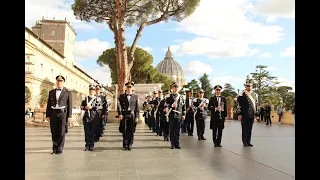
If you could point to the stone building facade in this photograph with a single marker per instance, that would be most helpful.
(49, 51)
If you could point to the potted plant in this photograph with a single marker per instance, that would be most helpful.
(43, 98)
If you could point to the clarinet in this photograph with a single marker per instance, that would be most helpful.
(221, 109)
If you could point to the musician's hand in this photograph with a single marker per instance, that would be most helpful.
(137, 119)
(217, 108)
(165, 109)
(239, 117)
(69, 119)
(174, 105)
(88, 107)
(121, 116)
(182, 117)
(102, 116)
(48, 118)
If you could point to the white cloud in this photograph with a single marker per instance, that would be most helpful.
(102, 74)
(92, 48)
(59, 9)
(213, 48)
(286, 82)
(266, 55)
(236, 82)
(197, 68)
(276, 8)
(229, 30)
(289, 52)
(148, 49)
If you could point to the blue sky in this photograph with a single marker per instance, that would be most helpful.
(225, 39)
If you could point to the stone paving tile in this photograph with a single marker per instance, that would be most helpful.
(272, 156)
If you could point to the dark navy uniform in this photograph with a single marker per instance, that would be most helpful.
(247, 103)
(189, 122)
(164, 124)
(152, 118)
(175, 116)
(129, 109)
(157, 113)
(90, 119)
(147, 113)
(59, 109)
(101, 111)
(217, 117)
(200, 115)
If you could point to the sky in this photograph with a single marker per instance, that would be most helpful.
(225, 39)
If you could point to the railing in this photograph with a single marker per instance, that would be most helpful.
(77, 115)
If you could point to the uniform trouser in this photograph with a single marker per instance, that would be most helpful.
(261, 118)
(268, 119)
(98, 128)
(165, 126)
(152, 122)
(58, 122)
(280, 117)
(246, 125)
(174, 127)
(217, 132)
(90, 130)
(200, 127)
(183, 126)
(158, 125)
(189, 122)
(127, 136)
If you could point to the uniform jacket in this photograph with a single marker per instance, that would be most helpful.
(200, 114)
(180, 106)
(215, 115)
(65, 99)
(245, 107)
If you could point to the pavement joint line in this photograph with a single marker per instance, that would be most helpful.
(254, 161)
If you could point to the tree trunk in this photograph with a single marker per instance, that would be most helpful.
(121, 49)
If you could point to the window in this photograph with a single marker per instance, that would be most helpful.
(53, 33)
(52, 74)
(41, 69)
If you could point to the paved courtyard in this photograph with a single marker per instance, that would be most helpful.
(271, 158)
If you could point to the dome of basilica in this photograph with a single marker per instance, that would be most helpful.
(171, 68)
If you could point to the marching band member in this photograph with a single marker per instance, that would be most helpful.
(58, 113)
(90, 118)
(200, 114)
(190, 113)
(247, 102)
(128, 111)
(175, 111)
(218, 107)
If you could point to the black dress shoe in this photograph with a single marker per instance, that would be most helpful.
(250, 144)
(178, 147)
(58, 152)
(245, 144)
(86, 149)
(219, 145)
(172, 147)
(129, 148)
(203, 138)
(216, 145)
(53, 152)
(199, 138)
(90, 148)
